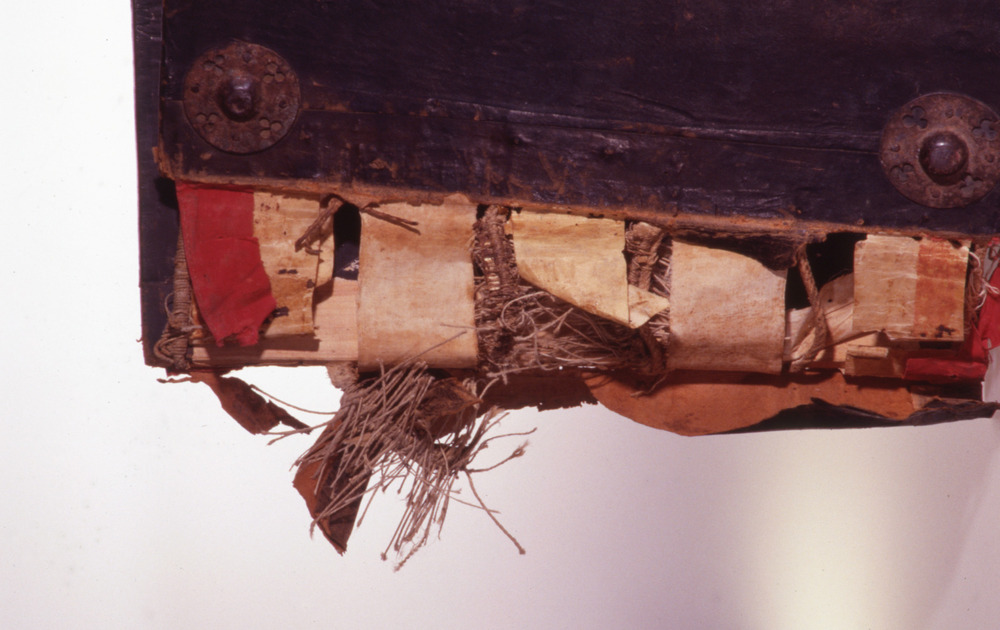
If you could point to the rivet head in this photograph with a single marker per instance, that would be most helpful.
(944, 156)
(237, 97)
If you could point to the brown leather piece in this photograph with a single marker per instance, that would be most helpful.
(700, 403)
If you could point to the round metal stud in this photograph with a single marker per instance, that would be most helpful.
(241, 98)
(944, 156)
(942, 150)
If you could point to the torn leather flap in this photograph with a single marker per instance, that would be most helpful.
(244, 405)
(416, 286)
(278, 220)
(910, 289)
(580, 260)
(727, 312)
(318, 481)
(701, 403)
(230, 285)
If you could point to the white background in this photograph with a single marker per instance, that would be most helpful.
(131, 504)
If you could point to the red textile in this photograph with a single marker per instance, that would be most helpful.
(989, 317)
(230, 286)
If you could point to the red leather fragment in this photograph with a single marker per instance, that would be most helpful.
(230, 286)
(943, 370)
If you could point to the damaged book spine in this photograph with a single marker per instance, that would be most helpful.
(435, 318)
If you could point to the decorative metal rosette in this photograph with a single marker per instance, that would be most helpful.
(241, 98)
(942, 150)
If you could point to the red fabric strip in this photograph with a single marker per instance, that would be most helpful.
(989, 317)
(227, 276)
